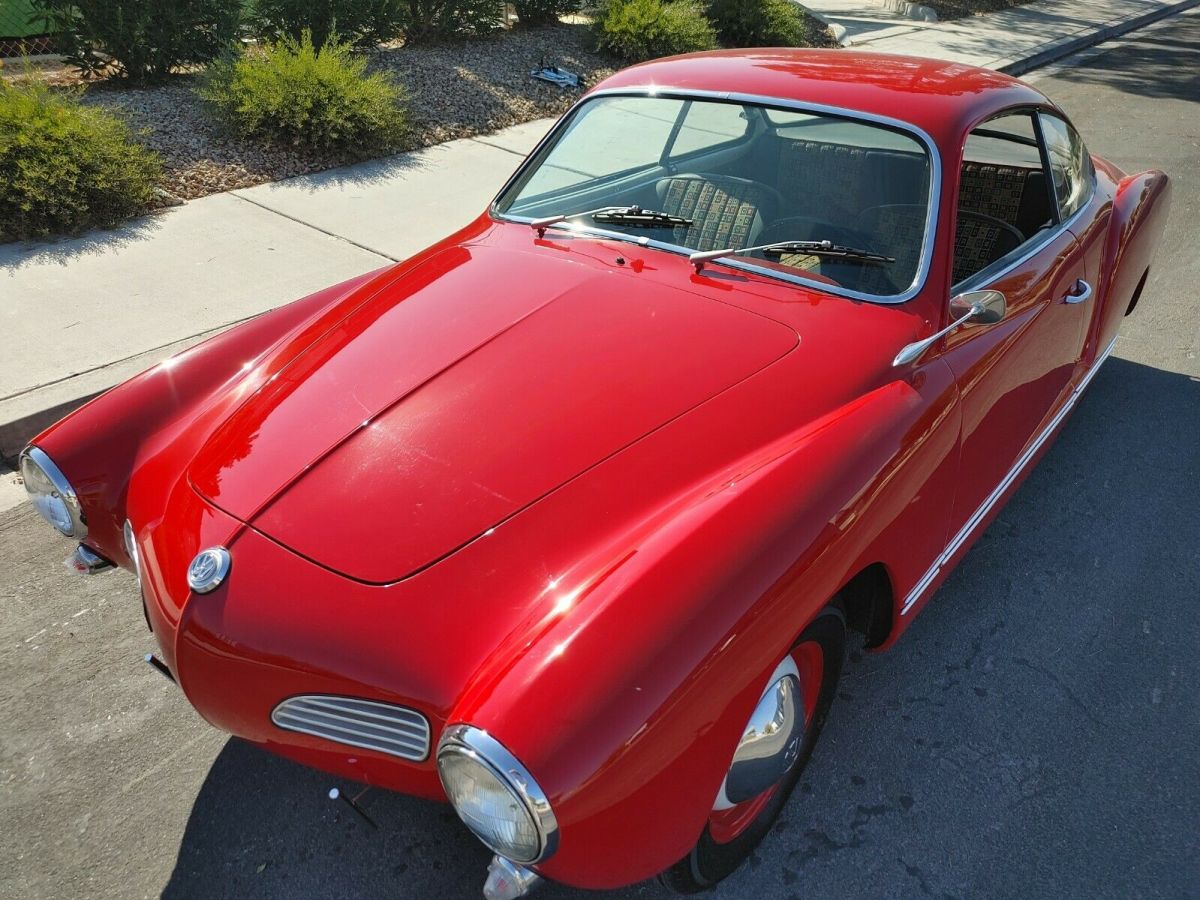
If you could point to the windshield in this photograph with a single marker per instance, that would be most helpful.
(717, 175)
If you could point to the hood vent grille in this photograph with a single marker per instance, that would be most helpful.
(390, 729)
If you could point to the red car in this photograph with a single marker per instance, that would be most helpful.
(566, 519)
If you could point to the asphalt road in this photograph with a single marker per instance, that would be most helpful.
(1035, 734)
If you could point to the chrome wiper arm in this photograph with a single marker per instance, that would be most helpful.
(616, 215)
(784, 248)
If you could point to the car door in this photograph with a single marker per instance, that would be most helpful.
(1010, 237)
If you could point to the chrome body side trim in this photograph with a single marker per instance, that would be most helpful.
(384, 727)
(935, 180)
(965, 532)
(486, 750)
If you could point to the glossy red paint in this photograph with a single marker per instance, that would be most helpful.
(589, 505)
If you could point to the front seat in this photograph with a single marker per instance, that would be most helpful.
(725, 211)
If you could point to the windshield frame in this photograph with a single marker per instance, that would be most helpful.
(749, 264)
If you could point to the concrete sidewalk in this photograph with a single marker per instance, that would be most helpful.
(79, 316)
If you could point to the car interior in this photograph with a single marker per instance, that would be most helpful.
(744, 176)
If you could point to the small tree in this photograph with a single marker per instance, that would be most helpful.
(426, 21)
(357, 21)
(142, 40)
(545, 12)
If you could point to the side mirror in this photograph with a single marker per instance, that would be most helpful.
(980, 307)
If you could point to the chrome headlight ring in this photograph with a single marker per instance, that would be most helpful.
(464, 748)
(51, 493)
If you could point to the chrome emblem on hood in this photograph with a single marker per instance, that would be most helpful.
(208, 570)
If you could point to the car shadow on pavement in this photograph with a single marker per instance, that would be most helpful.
(1008, 671)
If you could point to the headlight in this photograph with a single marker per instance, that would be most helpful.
(52, 494)
(496, 796)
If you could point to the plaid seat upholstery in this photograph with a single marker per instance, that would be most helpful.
(825, 177)
(1006, 193)
(725, 211)
(896, 230)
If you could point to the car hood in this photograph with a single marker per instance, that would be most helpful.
(462, 391)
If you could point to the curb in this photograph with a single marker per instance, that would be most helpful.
(1056, 50)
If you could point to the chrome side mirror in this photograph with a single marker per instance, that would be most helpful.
(980, 307)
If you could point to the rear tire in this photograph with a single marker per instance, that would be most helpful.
(727, 841)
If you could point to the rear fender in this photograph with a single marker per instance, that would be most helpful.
(1140, 212)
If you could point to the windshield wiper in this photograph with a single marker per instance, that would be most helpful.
(787, 248)
(617, 215)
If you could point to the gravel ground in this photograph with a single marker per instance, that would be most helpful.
(455, 91)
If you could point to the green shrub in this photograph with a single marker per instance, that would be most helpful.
(66, 167)
(141, 39)
(764, 23)
(295, 95)
(358, 21)
(424, 21)
(545, 12)
(635, 30)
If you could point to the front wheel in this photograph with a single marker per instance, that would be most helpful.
(737, 824)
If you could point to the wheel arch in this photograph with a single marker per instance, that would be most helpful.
(868, 602)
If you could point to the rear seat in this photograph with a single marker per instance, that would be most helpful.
(842, 181)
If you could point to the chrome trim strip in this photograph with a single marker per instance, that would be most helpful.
(485, 749)
(935, 180)
(972, 523)
(42, 460)
(369, 724)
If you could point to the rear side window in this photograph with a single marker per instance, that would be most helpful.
(1070, 165)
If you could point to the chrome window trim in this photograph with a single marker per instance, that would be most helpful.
(485, 749)
(1022, 461)
(42, 460)
(935, 181)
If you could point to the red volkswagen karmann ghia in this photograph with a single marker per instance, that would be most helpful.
(566, 519)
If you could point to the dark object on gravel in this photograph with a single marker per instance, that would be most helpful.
(555, 75)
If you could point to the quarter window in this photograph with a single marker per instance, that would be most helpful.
(1070, 165)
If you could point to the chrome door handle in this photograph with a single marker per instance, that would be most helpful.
(1080, 293)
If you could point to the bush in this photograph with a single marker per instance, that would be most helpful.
(141, 39)
(423, 21)
(65, 167)
(545, 12)
(763, 23)
(359, 21)
(296, 95)
(635, 30)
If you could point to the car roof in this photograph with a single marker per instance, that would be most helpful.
(942, 98)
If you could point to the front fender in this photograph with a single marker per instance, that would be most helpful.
(627, 707)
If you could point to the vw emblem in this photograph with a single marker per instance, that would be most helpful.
(208, 570)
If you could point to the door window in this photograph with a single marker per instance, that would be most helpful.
(1004, 199)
